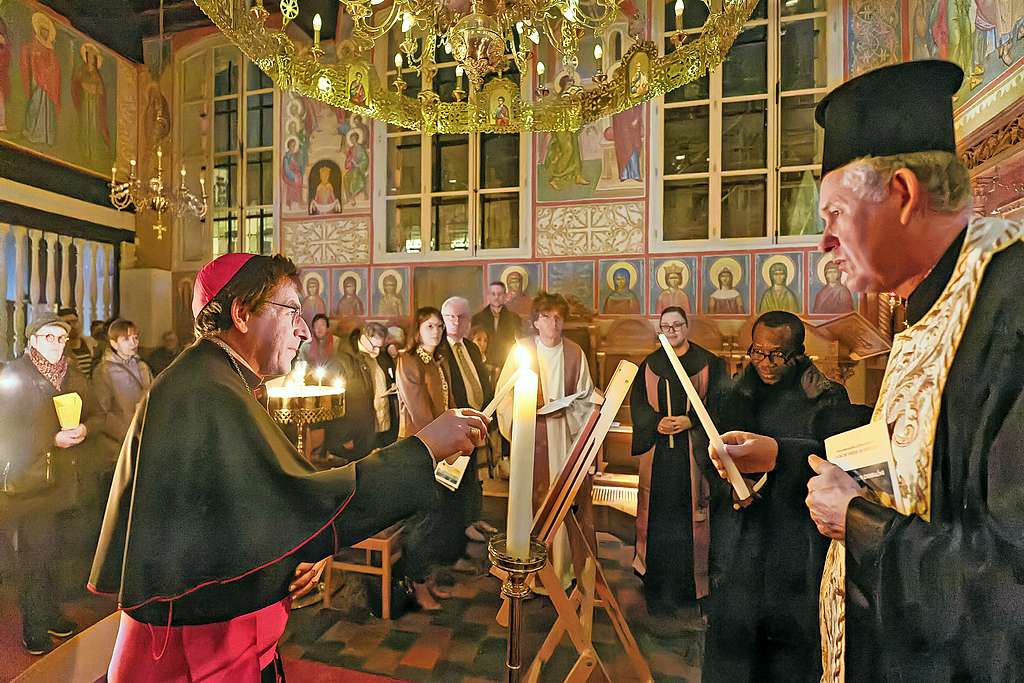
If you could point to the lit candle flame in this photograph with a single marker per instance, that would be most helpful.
(523, 358)
(540, 68)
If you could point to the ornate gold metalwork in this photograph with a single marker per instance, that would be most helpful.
(353, 83)
(910, 401)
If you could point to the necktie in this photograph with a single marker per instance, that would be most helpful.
(474, 392)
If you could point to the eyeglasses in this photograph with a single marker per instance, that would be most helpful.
(53, 338)
(455, 316)
(773, 357)
(668, 328)
(296, 310)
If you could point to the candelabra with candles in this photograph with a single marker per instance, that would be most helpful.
(292, 401)
(154, 196)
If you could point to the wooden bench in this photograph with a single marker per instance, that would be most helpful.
(389, 544)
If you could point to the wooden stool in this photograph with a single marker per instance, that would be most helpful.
(389, 544)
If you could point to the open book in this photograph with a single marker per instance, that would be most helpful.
(866, 454)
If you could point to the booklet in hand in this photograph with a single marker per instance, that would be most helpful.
(865, 453)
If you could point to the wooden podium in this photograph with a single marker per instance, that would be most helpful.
(576, 610)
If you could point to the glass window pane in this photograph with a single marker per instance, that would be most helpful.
(800, 139)
(743, 206)
(696, 90)
(259, 231)
(259, 122)
(224, 232)
(225, 182)
(259, 179)
(744, 135)
(695, 13)
(225, 125)
(413, 83)
(499, 220)
(499, 160)
(798, 203)
(225, 70)
(803, 54)
(256, 79)
(403, 234)
(444, 83)
(404, 164)
(686, 209)
(790, 7)
(746, 68)
(450, 162)
(761, 11)
(686, 140)
(449, 223)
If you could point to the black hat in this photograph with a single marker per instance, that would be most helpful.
(897, 109)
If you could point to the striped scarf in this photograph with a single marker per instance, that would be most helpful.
(53, 372)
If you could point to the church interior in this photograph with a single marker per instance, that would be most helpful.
(629, 156)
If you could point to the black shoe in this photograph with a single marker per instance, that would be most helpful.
(62, 627)
(38, 645)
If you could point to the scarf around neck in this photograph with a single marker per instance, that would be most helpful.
(53, 372)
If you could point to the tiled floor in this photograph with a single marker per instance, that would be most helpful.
(463, 643)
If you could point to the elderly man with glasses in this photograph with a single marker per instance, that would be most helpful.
(672, 531)
(766, 559)
(37, 470)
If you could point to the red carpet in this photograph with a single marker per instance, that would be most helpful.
(309, 671)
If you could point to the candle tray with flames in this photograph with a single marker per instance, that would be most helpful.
(303, 405)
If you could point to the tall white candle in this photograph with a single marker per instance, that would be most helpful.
(520, 480)
(735, 478)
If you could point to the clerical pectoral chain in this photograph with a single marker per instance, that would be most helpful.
(234, 363)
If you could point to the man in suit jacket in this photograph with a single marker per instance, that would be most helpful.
(503, 324)
(471, 388)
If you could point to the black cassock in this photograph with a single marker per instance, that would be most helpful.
(212, 508)
(944, 600)
(675, 517)
(766, 559)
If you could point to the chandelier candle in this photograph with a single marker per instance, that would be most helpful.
(520, 480)
(735, 478)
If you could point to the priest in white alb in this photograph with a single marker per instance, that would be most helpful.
(563, 372)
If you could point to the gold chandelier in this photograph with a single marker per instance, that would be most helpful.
(482, 39)
(152, 194)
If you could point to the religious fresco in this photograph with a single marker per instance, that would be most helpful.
(621, 287)
(779, 283)
(316, 289)
(433, 284)
(674, 283)
(349, 292)
(182, 320)
(985, 37)
(326, 158)
(58, 90)
(390, 292)
(827, 292)
(874, 35)
(575, 281)
(522, 281)
(726, 287)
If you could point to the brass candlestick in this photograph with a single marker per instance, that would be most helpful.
(303, 410)
(515, 590)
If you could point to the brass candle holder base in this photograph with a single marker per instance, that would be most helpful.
(515, 590)
(304, 410)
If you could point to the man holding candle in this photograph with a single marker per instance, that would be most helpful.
(672, 528)
(215, 522)
(38, 459)
(563, 372)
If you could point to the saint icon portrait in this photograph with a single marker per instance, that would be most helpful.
(313, 300)
(350, 284)
(672, 277)
(389, 285)
(516, 281)
(835, 297)
(622, 280)
(726, 274)
(326, 189)
(501, 113)
(356, 87)
(778, 272)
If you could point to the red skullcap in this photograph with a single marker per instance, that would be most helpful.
(214, 276)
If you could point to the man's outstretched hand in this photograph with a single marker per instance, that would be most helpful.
(750, 453)
(454, 433)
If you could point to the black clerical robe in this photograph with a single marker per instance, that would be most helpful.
(672, 511)
(212, 508)
(943, 599)
(766, 559)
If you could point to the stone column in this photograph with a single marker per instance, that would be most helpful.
(33, 274)
(65, 272)
(51, 272)
(106, 277)
(19, 290)
(5, 346)
(91, 304)
(80, 279)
